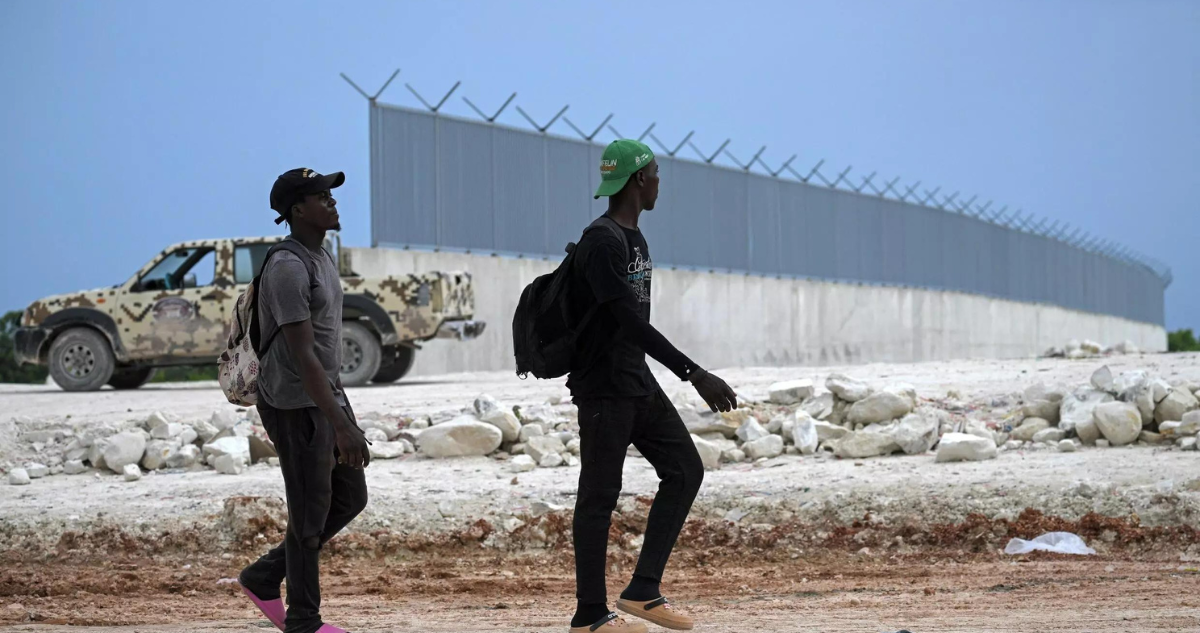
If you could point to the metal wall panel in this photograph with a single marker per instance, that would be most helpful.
(447, 182)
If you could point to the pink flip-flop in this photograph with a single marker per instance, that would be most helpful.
(275, 611)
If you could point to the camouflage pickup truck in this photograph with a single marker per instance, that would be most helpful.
(176, 311)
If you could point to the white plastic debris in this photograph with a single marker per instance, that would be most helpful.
(1057, 542)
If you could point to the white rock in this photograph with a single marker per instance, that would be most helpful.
(847, 388)
(710, 455)
(904, 390)
(188, 435)
(916, 433)
(522, 464)
(574, 445)
(956, 447)
(485, 405)
(74, 467)
(386, 450)
(18, 477)
(375, 435)
(509, 425)
(1190, 425)
(1150, 437)
(460, 439)
(550, 460)
(701, 423)
(223, 419)
(1028, 428)
(1101, 443)
(1102, 379)
(419, 424)
(1047, 410)
(1073, 345)
(804, 433)
(540, 413)
(775, 426)
(819, 407)
(1119, 422)
(238, 447)
(539, 446)
(1187, 443)
(542, 508)
(1087, 431)
(790, 392)
(736, 456)
(751, 430)
(1012, 445)
(1176, 403)
(1091, 347)
(529, 431)
(1049, 436)
(865, 444)
(1078, 406)
(131, 472)
(183, 457)
(1129, 381)
(1126, 347)
(767, 446)
(157, 453)
(123, 449)
(228, 464)
(827, 432)
(1170, 429)
(205, 431)
(1067, 446)
(155, 420)
(880, 406)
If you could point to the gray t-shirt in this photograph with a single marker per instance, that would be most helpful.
(286, 296)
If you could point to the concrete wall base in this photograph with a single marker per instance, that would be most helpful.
(724, 320)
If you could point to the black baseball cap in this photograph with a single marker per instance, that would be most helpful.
(291, 186)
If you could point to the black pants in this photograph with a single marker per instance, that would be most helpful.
(322, 497)
(607, 427)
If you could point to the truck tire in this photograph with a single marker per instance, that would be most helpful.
(361, 354)
(401, 363)
(81, 360)
(131, 377)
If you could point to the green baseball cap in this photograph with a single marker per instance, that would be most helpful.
(620, 160)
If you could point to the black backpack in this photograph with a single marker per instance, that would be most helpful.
(544, 338)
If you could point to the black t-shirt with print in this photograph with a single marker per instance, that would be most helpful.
(612, 359)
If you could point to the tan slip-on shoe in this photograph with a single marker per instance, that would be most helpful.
(612, 623)
(658, 611)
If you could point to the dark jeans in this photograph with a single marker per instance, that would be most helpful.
(322, 497)
(606, 428)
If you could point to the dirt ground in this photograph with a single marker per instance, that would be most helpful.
(796, 544)
(478, 593)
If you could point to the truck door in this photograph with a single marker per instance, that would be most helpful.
(174, 310)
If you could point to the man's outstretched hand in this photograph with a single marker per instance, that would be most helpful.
(715, 392)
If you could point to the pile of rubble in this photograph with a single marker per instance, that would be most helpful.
(847, 419)
(1090, 349)
(229, 442)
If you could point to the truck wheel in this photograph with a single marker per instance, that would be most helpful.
(402, 362)
(81, 360)
(360, 354)
(130, 378)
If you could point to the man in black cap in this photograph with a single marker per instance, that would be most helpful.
(303, 407)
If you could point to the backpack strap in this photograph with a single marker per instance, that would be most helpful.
(297, 249)
(602, 223)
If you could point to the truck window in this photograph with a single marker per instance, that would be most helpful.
(184, 268)
(248, 261)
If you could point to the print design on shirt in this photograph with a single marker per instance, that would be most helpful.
(639, 273)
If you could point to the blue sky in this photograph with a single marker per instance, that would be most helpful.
(129, 125)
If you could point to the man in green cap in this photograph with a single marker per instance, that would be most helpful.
(620, 403)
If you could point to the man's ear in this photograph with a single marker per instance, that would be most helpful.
(641, 176)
